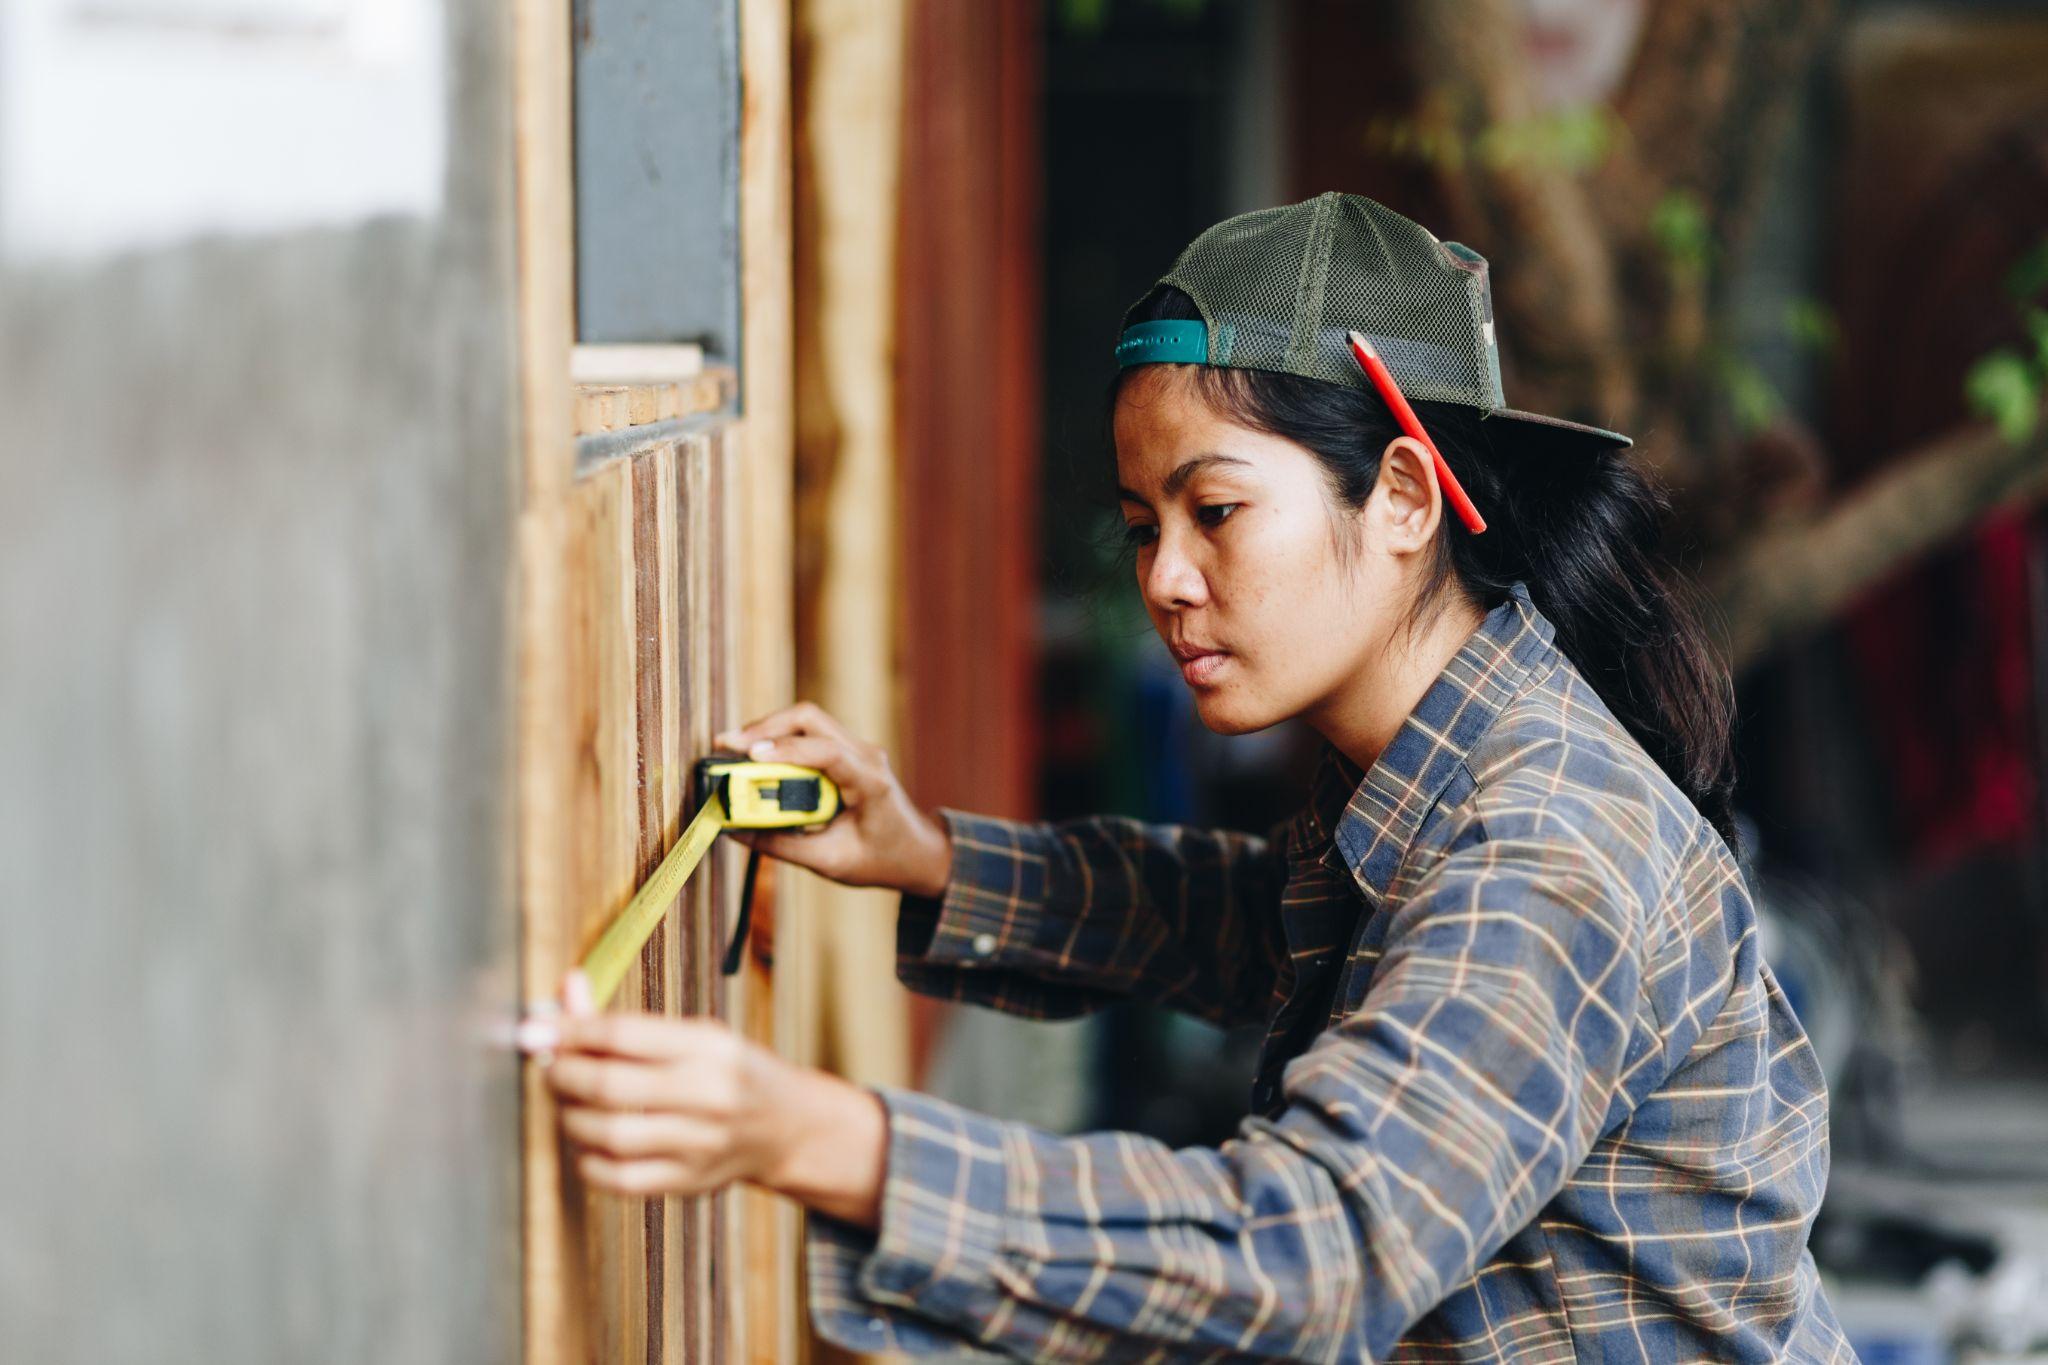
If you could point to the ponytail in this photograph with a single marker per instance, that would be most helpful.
(1580, 528)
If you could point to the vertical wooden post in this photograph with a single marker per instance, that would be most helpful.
(542, 210)
(772, 1006)
(850, 54)
(847, 83)
(967, 447)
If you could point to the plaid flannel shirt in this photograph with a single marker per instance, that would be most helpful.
(1528, 1091)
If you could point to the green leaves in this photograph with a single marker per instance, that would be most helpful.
(2007, 384)
(1811, 324)
(2028, 277)
(2037, 329)
(1572, 139)
(1753, 397)
(1083, 16)
(1679, 224)
(2005, 387)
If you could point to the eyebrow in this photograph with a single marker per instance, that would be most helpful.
(1178, 479)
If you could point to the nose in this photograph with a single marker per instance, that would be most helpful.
(1173, 579)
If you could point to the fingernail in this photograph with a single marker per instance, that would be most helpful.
(576, 993)
(536, 1035)
(762, 749)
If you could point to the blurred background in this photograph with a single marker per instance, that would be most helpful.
(1800, 252)
(271, 278)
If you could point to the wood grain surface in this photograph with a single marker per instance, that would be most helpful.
(654, 609)
(646, 656)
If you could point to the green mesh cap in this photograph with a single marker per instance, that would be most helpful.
(1278, 288)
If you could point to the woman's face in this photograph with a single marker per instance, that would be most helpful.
(1237, 540)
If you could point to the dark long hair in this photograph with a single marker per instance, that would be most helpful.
(1581, 529)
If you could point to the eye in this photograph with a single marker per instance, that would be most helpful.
(1225, 508)
(1139, 534)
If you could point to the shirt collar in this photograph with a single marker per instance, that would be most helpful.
(1376, 814)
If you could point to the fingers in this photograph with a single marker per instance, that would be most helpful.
(847, 765)
(648, 1037)
(628, 1136)
(798, 846)
(652, 1103)
(649, 1177)
(775, 844)
(803, 718)
(576, 993)
(540, 1032)
(647, 1061)
(612, 1083)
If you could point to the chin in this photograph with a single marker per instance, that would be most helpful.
(1225, 715)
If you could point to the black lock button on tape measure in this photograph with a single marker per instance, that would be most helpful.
(732, 792)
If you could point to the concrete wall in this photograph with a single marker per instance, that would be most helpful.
(256, 912)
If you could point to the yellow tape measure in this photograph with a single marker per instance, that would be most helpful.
(733, 792)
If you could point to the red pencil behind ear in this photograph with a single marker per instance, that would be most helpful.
(1376, 370)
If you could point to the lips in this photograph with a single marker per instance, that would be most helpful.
(1198, 665)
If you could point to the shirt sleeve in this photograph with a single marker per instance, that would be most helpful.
(1052, 919)
(1419, 1134)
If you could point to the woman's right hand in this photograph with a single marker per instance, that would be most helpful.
(879, 838)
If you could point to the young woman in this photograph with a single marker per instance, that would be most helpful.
(1528, 1090)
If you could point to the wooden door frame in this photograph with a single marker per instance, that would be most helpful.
(762, 1315)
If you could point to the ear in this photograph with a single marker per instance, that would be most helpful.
(1407, 503)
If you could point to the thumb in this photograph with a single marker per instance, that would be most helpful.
(770, 842)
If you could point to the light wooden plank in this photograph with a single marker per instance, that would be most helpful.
(730, 1223)
(620, 407)
(642, 404)
(848, 130)
(653, 507)
(635, 364)
(770, 1321)
(606, 855)
(643, 655)
(600, 408)
(676, 660)
(698, 571)
(554, 1306)
(851, 131)
(720, 885)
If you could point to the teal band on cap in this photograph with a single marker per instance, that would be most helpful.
(1175, 341)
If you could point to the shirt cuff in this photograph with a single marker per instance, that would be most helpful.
(927, 1278)
(992, 911)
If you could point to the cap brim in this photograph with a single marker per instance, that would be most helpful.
(1558, 432)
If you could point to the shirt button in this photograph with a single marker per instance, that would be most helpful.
(984, 944)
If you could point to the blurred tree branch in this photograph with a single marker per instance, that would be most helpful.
(1796, 573)
(1616, 304)
(1707, 102)
(1657, 220)
(1561, 297)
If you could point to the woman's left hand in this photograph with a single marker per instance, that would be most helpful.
(664, 1105)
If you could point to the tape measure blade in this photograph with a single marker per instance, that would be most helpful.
(615, 952)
